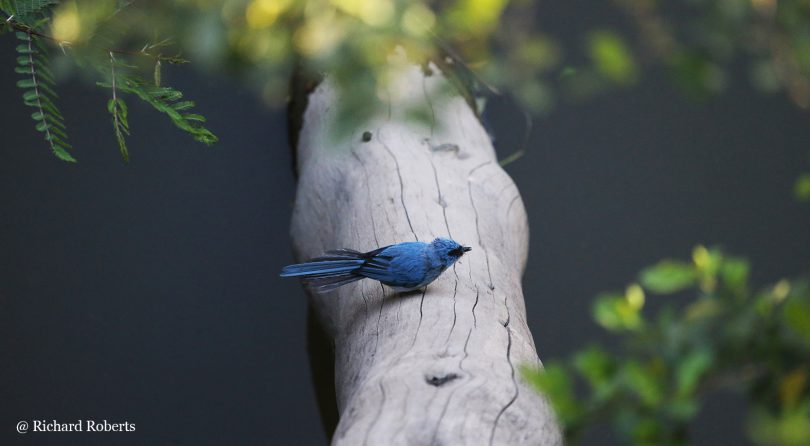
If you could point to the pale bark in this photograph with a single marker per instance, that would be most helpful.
(440, 366)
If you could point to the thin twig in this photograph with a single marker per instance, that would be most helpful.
(63, 43)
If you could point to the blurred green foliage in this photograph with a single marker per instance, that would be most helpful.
(726, 338)
(496, 43)
(802, 188)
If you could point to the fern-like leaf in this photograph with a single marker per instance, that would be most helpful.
(38, 92)
(118, 109)
(167, 100)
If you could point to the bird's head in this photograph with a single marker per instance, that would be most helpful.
(448, 250)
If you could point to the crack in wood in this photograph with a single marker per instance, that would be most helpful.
(442, 203)
(440, 381)
(419, 325)
(477, 293)
(401, 183)
(368, 192)
(399, 307)
(466, 343)
(477, 227)
(379, 316)
(452, 392)
(365, 299)
(514, 379)
(509, 209)
(455, 290)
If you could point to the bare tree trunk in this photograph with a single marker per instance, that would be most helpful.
(439, 366)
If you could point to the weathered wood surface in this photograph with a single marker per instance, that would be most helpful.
(439, 367)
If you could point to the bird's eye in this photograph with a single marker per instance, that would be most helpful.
(457, 252)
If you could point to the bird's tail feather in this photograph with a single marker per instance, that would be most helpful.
(332, 270)
(321, 267)
(323, 284)
(333, 262)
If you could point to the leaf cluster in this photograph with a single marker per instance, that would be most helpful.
(727, 338)
(30, 17)
(164, 99)
(169, 101)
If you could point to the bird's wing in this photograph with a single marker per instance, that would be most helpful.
(401, 265)
(379, 264)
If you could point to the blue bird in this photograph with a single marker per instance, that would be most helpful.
(405, 266)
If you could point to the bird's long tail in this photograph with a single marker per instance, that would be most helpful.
(325, 273)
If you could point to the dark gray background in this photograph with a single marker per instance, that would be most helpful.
(149, 293)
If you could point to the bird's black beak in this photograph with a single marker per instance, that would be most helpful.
(466, 249)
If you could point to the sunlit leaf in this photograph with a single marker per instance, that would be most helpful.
(614, 312)
(634, 296)
(788, 428)
(611, 57)
(668, 276)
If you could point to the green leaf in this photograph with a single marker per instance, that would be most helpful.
(183, 105)
(26, 83)
(797, 316)
(62, 154)
(643, 381)
(612, 58)
(194, 117)
(802, 188)
(734, 272)
(164, 99)
(595, 365)
(556, 385)
(668, 276)
(690, 369)
(30, 96)
(615, 312)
